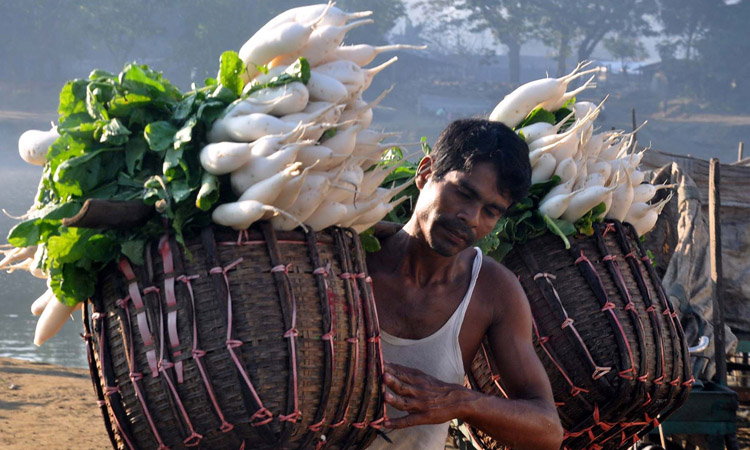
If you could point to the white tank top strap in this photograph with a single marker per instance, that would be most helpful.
(458, 318)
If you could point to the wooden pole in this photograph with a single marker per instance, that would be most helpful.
(635, 134)
(740, 151)
(714, 225)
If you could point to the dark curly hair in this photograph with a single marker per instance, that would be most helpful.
(466, 142)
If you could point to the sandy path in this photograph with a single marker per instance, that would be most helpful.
(47, 406)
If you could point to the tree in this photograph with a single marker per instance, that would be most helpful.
(510, 23)
(584, 24)
(684, 22)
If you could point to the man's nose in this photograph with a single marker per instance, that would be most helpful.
(469, 214)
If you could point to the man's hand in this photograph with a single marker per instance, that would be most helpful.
(426, 399)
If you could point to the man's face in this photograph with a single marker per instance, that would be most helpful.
(459, 209)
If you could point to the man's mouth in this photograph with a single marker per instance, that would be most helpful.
(457, 236)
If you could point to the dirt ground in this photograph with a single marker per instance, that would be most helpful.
(47, 406)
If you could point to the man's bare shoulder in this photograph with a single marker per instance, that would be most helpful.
(500, 290)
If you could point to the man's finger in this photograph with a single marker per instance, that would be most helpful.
(408, 420)
(404, 373)
(401, 402)
(398, 386)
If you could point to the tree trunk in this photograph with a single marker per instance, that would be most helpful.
(563, 50)
(514, 61)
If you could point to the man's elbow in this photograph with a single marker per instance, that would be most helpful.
(555, 434)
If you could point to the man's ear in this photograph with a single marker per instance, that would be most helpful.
(424, 172)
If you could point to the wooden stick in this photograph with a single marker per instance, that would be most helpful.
(740, 151)
(714, 223)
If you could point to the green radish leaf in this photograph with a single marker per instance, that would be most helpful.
(231, 68)
(133, 250)
(426, 149)
(208, 194)
(135, 151)
(370, 243)
(538, 115)
(114, 133)
(160, 135)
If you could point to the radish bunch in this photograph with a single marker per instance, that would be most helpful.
(303, 153)
(594, 167)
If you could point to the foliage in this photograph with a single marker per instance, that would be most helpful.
(131, 136)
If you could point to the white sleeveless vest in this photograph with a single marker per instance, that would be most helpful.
(439, 355)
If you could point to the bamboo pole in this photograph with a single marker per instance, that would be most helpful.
(714, 224)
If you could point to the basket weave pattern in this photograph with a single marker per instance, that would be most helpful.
(606, 333)
(259, 341)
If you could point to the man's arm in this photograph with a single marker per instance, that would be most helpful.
(527, 420)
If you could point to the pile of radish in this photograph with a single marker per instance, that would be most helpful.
(594, 166)
(299, 154)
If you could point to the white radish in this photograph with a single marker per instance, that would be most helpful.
(566, 170)
(375, 215)
(374, 178)
(301, 14)
(584, 201)
(325, 39)
(266, 191)
(622, 198)
(602, 167)
(247, 128)
(270, 144)
(637, 177)
(369, 73)
(302, 208)
(581, 109)
(291, 190)
(265, 45)
(321, 111)
(294, 98)
(594, 179)
(261, 167)
(570, 133)
(562, 188)
(543, 169)
(541, 129)
(320, 154)
(327, 214)
(346, 72)
(554, 105)
(316, 112)
(556, 205)
(593, 146)
(518, 104)
(361, 111)
(241, 214)
(325, 88)
(262, 101)
(53, 318)
(15, 254)
(363, 54)
(38, 306)
(224, 157)
(648, 217)
(33, 145)
(264, 78)
(343, 142)
(645, 192)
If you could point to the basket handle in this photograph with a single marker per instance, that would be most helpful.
(110, 214)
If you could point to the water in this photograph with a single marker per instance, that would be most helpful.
(18, 183)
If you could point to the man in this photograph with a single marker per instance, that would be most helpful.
(437, 298)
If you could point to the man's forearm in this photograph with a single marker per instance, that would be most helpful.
(520, 424)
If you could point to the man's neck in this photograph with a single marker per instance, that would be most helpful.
(420, 263)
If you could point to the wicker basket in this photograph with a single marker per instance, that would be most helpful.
(606, 333)
(260, 341)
